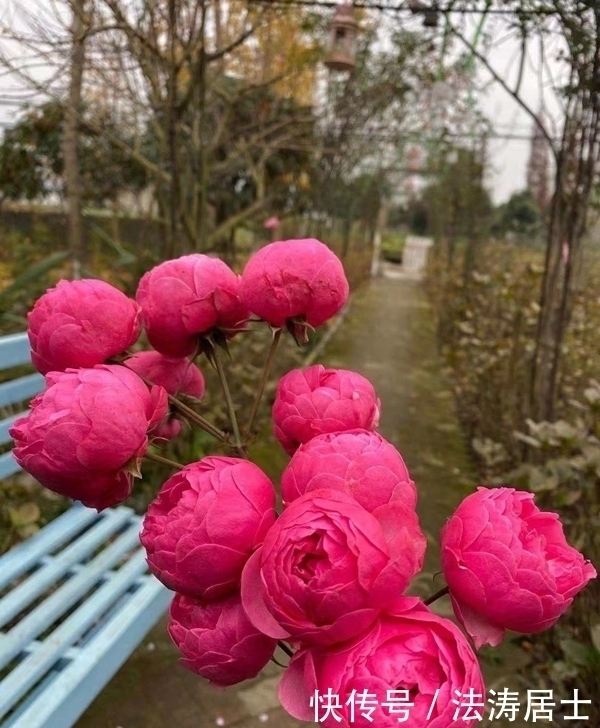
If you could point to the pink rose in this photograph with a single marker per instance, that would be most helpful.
(204, 524)
(87, 432)
(272, 223)
(294, 279)
(177, 376)
(327, 567)
(359, 462)
(420, 664)
(508, 565)
(186, 298)
(81, 324)
(217, 640)
(315, 401)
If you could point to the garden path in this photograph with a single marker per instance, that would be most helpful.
(389, 337)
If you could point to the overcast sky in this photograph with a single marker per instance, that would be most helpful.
(508, 157)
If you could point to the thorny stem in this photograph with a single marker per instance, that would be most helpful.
(285, 648)
(436, 595)
(229, 402)
(165, 461)
(264, 378)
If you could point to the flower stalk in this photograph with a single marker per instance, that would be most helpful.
(264, 379)
(285, 648)
(436, 595)
(165, 461)
(217, 362)
(190, 414)
(193, 416)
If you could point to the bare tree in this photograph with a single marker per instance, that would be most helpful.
(538, 167)
(166, 63)
(80, 25)
(576, 23)
(367, 119)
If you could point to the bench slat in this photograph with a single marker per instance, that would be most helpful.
(36, 584)
(22, 557)
(83, 576)
(67, 696)
(8, 465)
(18, 390)
(60, 601)
(18, 682)
(6, 424)
(14, 350)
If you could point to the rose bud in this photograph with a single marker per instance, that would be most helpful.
(188, 298)
(81, 324)
(315, 401)
(358, 462)
(294, 281)
(87, 432)
(508, 565)
(204, 524)
(328, 567)
(217, 640)
(177, 376)
(413, 667)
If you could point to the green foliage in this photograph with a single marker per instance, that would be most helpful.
(31, 154)
(392, 245)
(30, 270)
(31, 157)
(486, 327)
(565, 476)
(487, 332)
(570, 464)
(21, 176)
(33, 274)
(270, 167)
(379, 94)
(519, 217)
(30, 263)
(24, 508)
(412, 216)
(458, 205)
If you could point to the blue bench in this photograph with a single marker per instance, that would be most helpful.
(75, 599)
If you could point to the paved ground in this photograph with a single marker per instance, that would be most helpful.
(388, 337)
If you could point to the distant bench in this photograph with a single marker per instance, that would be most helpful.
(75, 599)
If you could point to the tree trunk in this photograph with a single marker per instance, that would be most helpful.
(555, 305)
(576, 177)
(563, 262)
(172, 136)
(79, 27)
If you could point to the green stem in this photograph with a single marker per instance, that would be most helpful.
(264, 378)
(437, 595)
(285, 648)
(189, 413)
(228, 401)
(197, 419)
(165, 461)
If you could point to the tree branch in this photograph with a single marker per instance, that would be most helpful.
(232, 222)
(233, 45)
(480, 57)
(96, 128)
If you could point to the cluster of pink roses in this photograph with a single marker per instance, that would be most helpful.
(327, 577)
